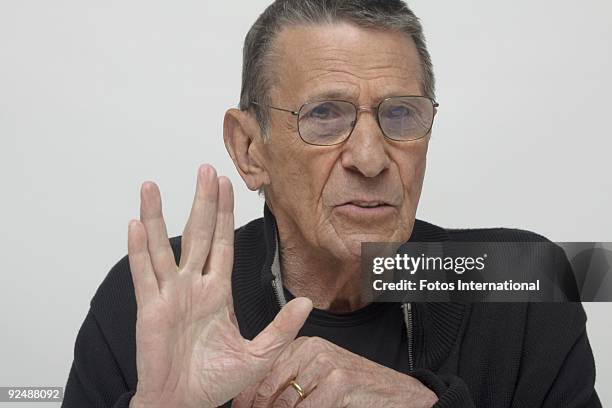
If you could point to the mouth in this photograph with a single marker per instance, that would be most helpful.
(366, 204)
(366, 208)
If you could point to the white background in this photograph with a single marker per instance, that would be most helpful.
(96, 97)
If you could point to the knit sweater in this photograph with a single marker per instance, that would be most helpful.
(481, 354)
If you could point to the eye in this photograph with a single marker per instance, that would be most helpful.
(398, 112)
(323, 111)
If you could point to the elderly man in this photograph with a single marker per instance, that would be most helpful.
(336, 112)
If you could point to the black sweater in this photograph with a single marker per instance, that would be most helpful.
(485, 355)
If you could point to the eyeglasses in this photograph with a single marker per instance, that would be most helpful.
(327, 123)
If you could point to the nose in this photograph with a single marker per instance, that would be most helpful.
(364, 151)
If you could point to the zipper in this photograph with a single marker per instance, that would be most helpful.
(407, 309)
(276, 294)
(277, 282)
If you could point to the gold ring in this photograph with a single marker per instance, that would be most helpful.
(298, 389)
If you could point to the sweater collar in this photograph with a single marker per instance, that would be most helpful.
(256, 287)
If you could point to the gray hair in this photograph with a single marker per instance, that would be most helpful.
(257, 73)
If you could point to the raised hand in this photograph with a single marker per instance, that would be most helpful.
(189, 351)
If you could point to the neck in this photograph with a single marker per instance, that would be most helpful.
(332, 284)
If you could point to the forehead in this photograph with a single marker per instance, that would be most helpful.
(345, 61)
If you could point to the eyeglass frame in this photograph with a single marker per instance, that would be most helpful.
(358, 109)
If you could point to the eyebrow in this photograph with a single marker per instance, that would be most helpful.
(344, 94)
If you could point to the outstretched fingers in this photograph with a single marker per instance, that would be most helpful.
(221, 258)
(151, 216)
(143, 276)
(199, 230)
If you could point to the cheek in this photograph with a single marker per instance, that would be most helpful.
(412, 164)
(298, 178)
(419, 174)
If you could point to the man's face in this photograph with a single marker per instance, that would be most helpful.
(321, 195)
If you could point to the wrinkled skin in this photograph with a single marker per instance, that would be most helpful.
(308, 187)
(333, 377)
(189, 351)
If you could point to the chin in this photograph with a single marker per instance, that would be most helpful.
(352, 243)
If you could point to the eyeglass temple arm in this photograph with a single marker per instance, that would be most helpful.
(294, 113)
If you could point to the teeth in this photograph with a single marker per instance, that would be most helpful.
(369, 205)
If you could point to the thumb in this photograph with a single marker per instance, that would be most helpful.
(273, 339)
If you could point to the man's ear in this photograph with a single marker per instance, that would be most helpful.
(244, 143)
